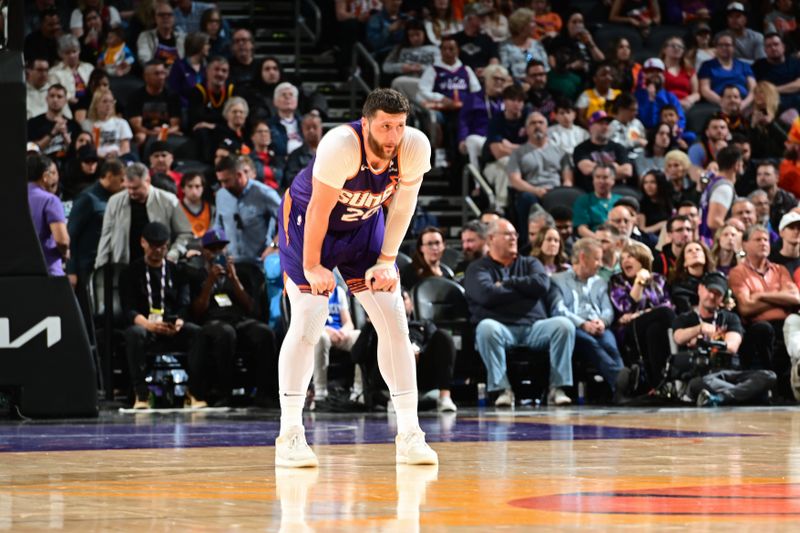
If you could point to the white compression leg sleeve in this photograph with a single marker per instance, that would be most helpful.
(296, 360)
(395, 355)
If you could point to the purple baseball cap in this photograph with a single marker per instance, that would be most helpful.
(215, 237)
(597, 116)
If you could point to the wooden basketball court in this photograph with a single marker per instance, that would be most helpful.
(708, 470)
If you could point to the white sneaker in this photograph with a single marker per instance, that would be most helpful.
(558, 397)
(506, 399)
(413, 450)
(292, 450)
(795, 380)
(445, 405)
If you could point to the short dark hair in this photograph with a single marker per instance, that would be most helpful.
(768, 163)
(771, 34)
(623, 101)
(113, 166)
(514, 92)
(533, 63)
(687, 203)
(564, 103)
(226, 163)
(739, 138)
(450, 37)
(389, 101)
(730, 86)
(154, 63)
(728, 157)
(666, 107)
(57, 86)
(474, 226)
(37, 165)
(217, 59)
(678, 218)
(32, 61)
(561, 212)
(189, 176)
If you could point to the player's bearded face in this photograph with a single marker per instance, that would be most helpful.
(383, 137)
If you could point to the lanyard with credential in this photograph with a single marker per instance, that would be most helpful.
(163, 280)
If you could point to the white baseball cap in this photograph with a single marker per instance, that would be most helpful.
(654, 63)
(789, 218)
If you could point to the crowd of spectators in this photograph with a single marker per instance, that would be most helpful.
(684, 158)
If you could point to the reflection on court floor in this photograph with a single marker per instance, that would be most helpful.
(601, 469)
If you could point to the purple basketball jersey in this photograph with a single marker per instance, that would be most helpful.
(361, 197)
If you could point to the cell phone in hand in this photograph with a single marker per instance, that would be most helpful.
(221, 260)
(170, 319)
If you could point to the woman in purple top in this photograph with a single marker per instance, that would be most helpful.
(643, 311)
(47, 212)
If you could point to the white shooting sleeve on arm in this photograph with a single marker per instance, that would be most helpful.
(414, 161)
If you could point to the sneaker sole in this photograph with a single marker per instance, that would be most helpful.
(307, 463)
(402, 460)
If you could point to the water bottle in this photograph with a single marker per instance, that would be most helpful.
(581, 392)
(481, 394)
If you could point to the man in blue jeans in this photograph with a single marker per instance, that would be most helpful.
(584, 300)
(507, 296)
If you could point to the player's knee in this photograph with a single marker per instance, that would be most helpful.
(314, 323)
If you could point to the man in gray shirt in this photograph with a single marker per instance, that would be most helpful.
(748, 44)
(536, 167)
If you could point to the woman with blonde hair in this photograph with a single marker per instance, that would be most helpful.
(548, 248)
(767, 135)
(676, 168)
(727, 249)
(521, 47)
(111, 134)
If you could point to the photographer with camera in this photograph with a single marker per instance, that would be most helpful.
(222, 304)
(712, 336)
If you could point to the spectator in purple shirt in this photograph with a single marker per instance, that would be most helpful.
(642, 309)
(47, 212)
(478, 108)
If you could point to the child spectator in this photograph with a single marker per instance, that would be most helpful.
(599, 97)
(626, 129)
(565, 134)
(548, 24)
(116, 58)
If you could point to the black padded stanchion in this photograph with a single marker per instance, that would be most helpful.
(44, 349)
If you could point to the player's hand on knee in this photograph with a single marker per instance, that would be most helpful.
(382, 277)
(321, 279)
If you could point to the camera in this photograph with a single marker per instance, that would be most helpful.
(706, 357)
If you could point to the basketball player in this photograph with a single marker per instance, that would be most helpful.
(332, 216)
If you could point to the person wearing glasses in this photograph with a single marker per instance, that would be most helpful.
(247, 211)
(427, 259)
(242, 62)
(725, 70)
(680, 230)
(508, 300)
(163, 42)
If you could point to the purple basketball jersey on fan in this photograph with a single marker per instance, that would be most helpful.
(446, 81)
(361, 197)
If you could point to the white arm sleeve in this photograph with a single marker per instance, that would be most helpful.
(338, 157)
(413, 160)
